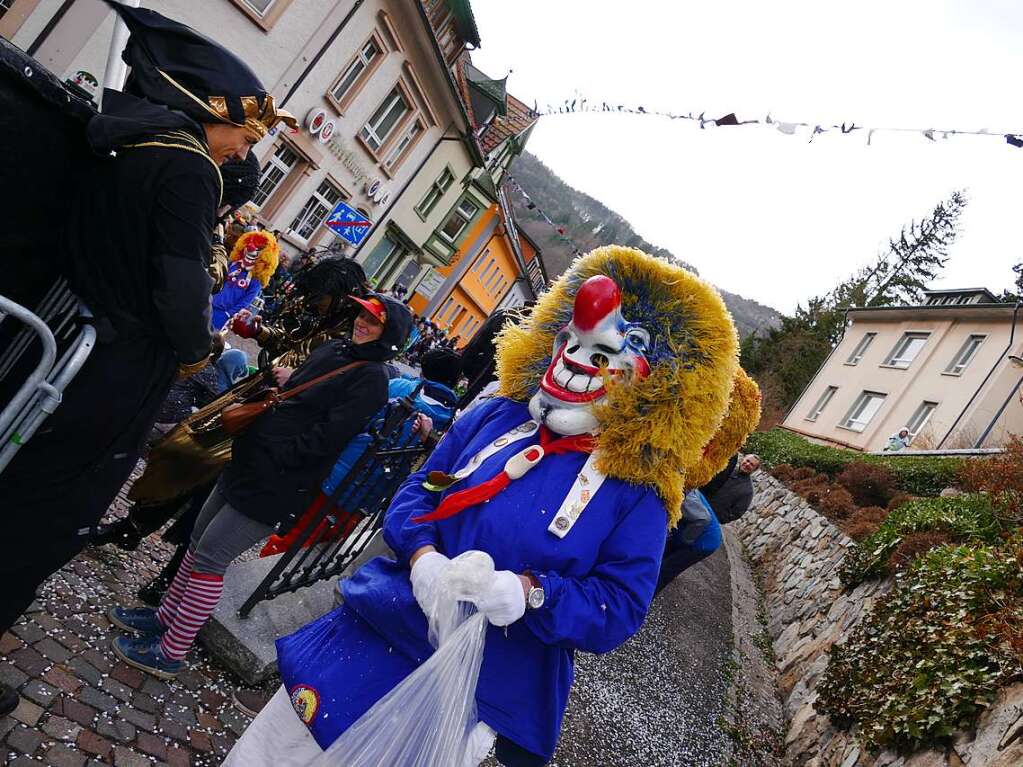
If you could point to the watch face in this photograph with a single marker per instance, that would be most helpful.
(536, 596)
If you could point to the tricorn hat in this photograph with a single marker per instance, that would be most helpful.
(174, 65)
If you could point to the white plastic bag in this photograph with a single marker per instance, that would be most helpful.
(427, 720)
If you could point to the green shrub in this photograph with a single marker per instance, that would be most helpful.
(919, 475)
(965, 518)
(928, 658)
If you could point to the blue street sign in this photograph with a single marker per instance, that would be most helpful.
(348, 223)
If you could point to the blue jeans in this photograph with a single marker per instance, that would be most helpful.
(679, 556)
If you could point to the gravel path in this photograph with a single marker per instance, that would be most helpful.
(655, 701)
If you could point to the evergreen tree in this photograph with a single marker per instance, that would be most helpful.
(1016, 294)
(786, 358)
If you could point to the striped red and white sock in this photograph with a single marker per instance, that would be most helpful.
(199, 600)
(171, 600)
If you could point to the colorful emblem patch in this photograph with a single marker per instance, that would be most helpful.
(306, 702)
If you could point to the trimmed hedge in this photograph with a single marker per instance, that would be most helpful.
(966, 518)
(919, 475)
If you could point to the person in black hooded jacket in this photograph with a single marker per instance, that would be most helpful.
(276, 468)
(134, 245)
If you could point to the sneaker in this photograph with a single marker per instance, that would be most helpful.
(144, 654)
(136, 620)
(250, 702)
(8, 699)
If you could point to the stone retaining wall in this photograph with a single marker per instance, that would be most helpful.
(796, 553)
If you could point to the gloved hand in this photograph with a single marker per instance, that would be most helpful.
(424, 578)
(478, 744)
(502, 600)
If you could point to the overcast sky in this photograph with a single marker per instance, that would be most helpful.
(759, 213)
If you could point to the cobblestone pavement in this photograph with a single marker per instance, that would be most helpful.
(80, 705)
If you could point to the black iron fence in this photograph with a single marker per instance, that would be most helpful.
(332, 538)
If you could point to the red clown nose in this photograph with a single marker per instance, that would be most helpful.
(598, 297)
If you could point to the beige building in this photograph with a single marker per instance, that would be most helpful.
(949, 370)
(384, 129)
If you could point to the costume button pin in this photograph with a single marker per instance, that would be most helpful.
(561, 523)
(500, 442)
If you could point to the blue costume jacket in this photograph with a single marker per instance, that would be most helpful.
(231, 298)
(598, 580)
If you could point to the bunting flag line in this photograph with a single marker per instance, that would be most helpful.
(531, 205)
(581, 105)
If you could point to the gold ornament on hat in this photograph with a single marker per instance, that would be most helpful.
(258, 119)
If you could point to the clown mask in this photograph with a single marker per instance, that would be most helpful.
(249, 258)
(598, 343)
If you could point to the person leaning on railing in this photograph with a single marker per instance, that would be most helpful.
(276, 468)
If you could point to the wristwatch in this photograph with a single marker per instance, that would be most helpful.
(535, 596)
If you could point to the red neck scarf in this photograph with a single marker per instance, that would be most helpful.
(551, 443)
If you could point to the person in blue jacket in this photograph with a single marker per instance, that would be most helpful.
(560, 481)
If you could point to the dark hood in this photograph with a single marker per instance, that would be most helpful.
(392, 341)
(173, 64)
(127, 118)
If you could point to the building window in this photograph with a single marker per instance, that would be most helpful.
(356, 71)
(444, 309)
(822, 402)
(382, 254)
(863, 410)
(906, 349)
(861, 349)
(965, 356)
(481, 260)
(459, 220)
(315, 210)
(490, 279)
(436, 191)
(385, 119)
(920, 418)
(260, 6)
(403, 145)
(276, 168)
(486, 271)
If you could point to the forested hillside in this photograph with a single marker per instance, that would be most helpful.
(590, 224)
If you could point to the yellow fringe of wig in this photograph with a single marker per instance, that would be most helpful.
(742, 418)
(266, 261)
(651, 431)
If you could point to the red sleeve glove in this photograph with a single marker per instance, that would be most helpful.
(247, 328)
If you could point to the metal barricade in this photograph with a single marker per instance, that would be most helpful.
(66, 342)
(362, 496)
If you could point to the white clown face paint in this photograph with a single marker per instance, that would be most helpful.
(598, 338)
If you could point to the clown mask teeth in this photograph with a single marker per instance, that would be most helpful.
(597, 344)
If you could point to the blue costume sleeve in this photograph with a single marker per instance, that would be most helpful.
(600, 611)
(412, 500)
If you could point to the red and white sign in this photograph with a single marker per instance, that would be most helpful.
(315, 120)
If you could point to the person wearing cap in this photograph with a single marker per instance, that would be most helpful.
(276, 468)
(136, 245)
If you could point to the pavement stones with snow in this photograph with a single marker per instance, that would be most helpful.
(654, 702)
(80, 706)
